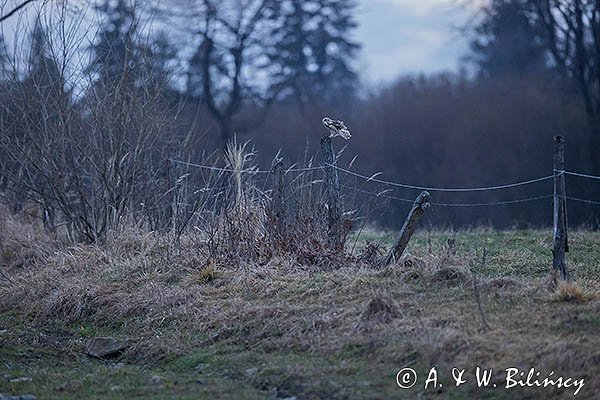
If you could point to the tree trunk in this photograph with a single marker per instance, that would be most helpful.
(595, 143)
(593, 191)
(225, 133)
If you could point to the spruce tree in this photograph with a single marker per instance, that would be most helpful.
(507, 42)
(115, 54)
(313, 51)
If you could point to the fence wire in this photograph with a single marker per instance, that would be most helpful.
(580, 175)
(242, 171)
(582, 200)
(385, 193)
(439, 189)
(495, 203)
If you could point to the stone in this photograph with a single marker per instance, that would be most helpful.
(106, 347)
(22, 379)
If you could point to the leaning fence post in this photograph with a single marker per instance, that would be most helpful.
(560, 234)
(278, 201)
(333, 193)
(420, 205)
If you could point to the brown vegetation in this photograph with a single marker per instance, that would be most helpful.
(172, 303)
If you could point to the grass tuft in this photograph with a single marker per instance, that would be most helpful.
(379, 310)
(206, 275)
(570, 292)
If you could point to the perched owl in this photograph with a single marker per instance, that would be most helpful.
(336, 128)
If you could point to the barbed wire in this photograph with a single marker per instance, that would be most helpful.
(384, 193)
(440, 189)
(243, 171)
(380, 194)
(408, 186)
(582, 200)
(219, 169)
(495, 203)
(580, 175)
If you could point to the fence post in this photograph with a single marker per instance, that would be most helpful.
(166, 217)
(333, 193)
(420, 205)
(278, 202)
(560, 234)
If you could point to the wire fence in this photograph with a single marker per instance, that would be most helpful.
(373, 178)
(580, 175)
(385, 194)
(242, 171)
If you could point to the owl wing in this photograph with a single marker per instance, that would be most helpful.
(342, 129)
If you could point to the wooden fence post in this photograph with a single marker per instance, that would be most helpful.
(560, 234)
(172, 174)
(278, 201)
(420, 205)
(333, 193)
(168, 174)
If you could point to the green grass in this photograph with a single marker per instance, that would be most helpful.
(268, 332)
(516, 253)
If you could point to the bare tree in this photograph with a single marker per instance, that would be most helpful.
(15, 10)
(571, 31)
(90, 161)
(228, 68)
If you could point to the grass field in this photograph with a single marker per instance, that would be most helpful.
(206, 329)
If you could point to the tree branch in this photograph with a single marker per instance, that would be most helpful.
(14, 10)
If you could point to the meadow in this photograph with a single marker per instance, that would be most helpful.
(201, 328)
(218, 266)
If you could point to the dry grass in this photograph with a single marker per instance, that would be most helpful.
(571, 292)
(378, 311)
(354, 323)
(22, 240)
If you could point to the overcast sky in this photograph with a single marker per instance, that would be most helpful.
(397, 36)
(410, 36)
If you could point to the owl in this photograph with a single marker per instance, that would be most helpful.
(336, 128)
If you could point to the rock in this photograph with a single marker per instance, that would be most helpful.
(156, 380)
(22, 379)
(106, 347)
(251, 371)
(200, 367)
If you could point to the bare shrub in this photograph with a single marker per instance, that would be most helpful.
(85, 149)
(95, 152)
(305, 226)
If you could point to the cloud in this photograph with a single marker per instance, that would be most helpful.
(420, 7)
(405, 36)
